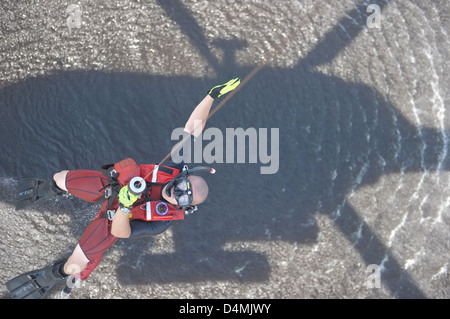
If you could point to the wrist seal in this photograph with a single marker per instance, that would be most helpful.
(125, 210)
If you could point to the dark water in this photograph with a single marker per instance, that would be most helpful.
(364, 128)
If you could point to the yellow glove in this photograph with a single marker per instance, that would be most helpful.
(126, 199)
(222, 89)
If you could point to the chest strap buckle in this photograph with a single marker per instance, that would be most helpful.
(110, 214)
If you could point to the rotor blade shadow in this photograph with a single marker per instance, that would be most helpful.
(346, 29)
(188, 25)
(374, 251)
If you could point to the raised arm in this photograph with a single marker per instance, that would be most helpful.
(199, 116)
(197, 121)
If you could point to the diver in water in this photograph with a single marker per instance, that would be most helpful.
(137, 200)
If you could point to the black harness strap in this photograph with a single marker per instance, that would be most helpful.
(113, 187)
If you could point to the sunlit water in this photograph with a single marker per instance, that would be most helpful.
(363, 116)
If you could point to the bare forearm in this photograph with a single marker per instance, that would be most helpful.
(199, 116)
(121, 225)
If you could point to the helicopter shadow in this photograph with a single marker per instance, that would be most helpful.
(336, 137)
(91, 118)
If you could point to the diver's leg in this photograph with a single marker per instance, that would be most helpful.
(85, 184)
(60, 179)
(77, 262)
(96, 239)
